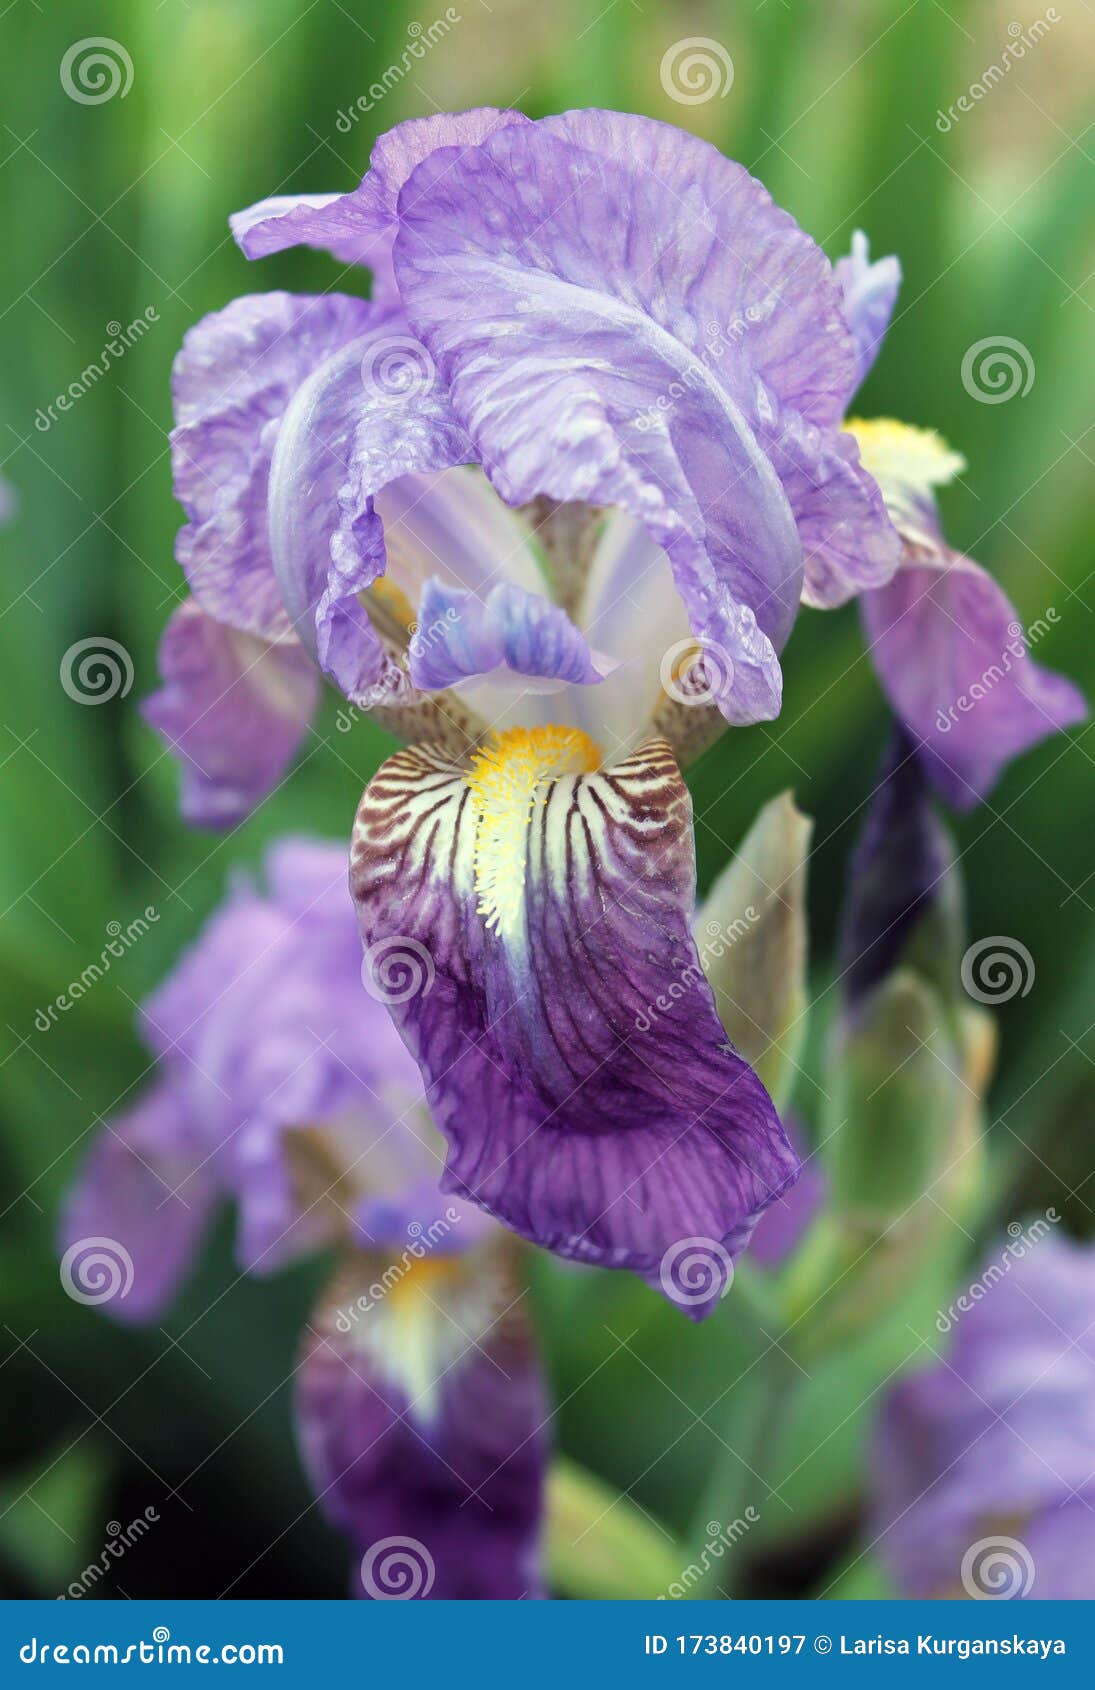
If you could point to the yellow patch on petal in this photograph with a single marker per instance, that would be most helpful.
(505, 781)
(390, 610)
(895, 452)
(422, 1276)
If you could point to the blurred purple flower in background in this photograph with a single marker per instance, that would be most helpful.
(984, 1464)
(282, 1085)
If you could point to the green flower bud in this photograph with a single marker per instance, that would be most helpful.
(751, 936)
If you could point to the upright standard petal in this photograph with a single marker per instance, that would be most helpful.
(233, 709)
(950, 650)
(358, 227)
(133, 1222)
(573, 1055)
(232, 380)
(370, 415)
(870, 293)
(422, 1422)
(561, 293)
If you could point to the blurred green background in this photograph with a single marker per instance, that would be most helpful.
(115, 210)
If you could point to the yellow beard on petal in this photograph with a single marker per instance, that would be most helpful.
(505, 781)
(897, 452)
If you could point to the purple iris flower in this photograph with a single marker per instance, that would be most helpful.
(282, 1085)
(546, 506)
(950, 650)
(985, 1464)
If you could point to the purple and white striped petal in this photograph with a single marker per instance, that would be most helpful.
(573, 1055)
(233, 709)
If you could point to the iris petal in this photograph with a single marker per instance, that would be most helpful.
(144, 1198)
(573, 1056)
(557, 345)
(358, 227)
(233, 709)
(421, 1417)
(232, 381)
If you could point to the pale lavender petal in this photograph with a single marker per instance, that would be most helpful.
(358, 227)
(232, 381)
(996, 1442)
(573, 1053)
(372, 414)
(422, 1419)
(463, 634)
(142, 1202)
(849, 541)
(602, 269)
(955, 664)
(870, 293)
(233, 709)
